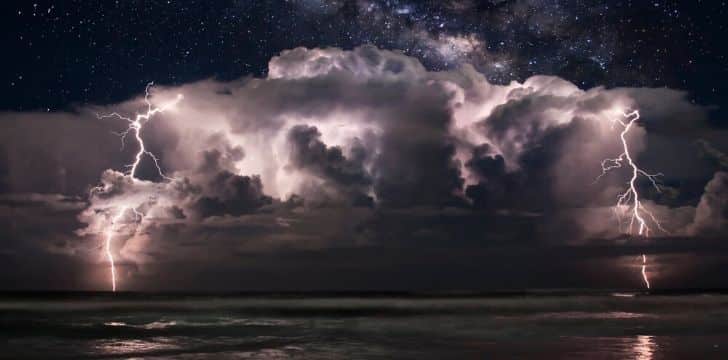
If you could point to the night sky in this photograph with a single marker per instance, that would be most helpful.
(362, 144)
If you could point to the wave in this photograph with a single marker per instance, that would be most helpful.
(222, 322)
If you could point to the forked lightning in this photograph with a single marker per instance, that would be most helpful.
(136, 125)
(629, 201)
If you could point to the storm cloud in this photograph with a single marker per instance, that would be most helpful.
(359, 148)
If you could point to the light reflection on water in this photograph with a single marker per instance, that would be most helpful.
(644, 347)
(132, 346)
(576, 315)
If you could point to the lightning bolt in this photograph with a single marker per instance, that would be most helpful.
(135, 127)
(109, 236)
(644, 273)
(639, 217)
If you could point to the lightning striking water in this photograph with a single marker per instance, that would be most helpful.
(629, 201)
(644, 273)
(109, 236)
(136, 125)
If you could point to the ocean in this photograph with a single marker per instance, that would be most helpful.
(529, 325)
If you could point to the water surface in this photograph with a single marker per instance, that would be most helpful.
(567, 326)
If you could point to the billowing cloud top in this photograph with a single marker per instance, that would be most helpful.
(360, 148)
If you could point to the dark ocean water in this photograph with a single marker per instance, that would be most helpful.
(538, 326)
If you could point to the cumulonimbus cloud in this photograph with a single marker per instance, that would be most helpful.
(343, 147)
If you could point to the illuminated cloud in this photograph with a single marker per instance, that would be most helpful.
(360, 148)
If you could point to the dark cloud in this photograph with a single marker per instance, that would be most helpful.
(710, 152)
(232, 194)
(494, 185)
(4, 170)
(711, 215)
(44, 153)
(339, 174)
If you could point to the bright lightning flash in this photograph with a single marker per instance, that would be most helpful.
(644, 273)
(135, 126)
(109, 236)
(639, 216)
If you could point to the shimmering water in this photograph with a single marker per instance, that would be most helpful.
(219, 327)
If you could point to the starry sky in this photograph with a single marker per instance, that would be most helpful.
(71, 52)
(361, 144)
